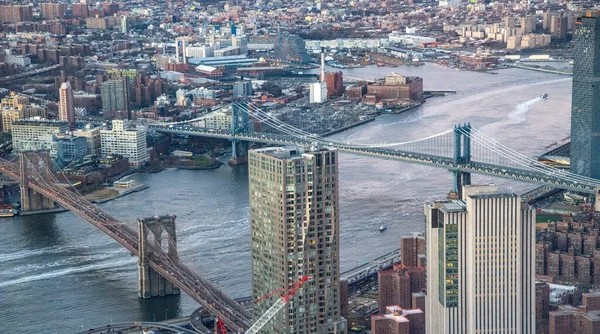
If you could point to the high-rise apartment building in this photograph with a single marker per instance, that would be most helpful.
(66, 108)
(294, 230)
(480, 264)
(291, 48)
(51, 10)
(127, 142)
(585, 111)
(16, 14)
(558, 26)
(115, 99)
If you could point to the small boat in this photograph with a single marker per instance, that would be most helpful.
(382, 228)
(544, 96)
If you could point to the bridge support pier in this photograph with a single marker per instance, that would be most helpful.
(239, 152)
(462, 156)
(30, 199)
(239, 125)
(151, 283)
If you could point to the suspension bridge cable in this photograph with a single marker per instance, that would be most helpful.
(302, 133)
(535, 162)
(527, 162)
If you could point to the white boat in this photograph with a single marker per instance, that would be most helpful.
(544, 96)
(382, 228)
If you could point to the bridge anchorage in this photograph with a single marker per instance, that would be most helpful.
(151, 283)
(32, 163)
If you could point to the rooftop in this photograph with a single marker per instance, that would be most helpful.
(288, 152)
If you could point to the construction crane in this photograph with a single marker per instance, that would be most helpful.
(279, 304)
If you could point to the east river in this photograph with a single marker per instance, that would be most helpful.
(59, 274)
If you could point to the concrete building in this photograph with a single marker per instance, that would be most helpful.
(585, 111)
(115, 99)
(318, 92)
(242, 88)
(398, 320)
(37, 134)
(17, 106)
(220, 119)
(66, 107)
(201, 51)
(70, 148)
(290, 49)
(92, 136)
(480, 263)
(294, 231)
(127, 142)
(528, 24)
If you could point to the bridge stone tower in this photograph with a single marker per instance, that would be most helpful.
(151, 283)
(34, 164)
(462, 155)
(239, 125)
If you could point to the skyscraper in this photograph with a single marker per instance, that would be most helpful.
(480, 264)
(294, 230)
(585, 111)
(66, 109)
(115, 99)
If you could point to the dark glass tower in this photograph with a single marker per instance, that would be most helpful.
(585, 112)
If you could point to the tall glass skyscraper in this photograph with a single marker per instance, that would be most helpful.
(294, 230)
(585, 112)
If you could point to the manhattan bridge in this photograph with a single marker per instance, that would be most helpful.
(462, 150)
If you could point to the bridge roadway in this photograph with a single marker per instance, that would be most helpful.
(29, 73)
(551, 179)
(235, 317)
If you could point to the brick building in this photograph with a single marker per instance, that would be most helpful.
(568, 252)
(569, 319)
(398, 320)
(51, 10)
(398, 89)
(335, 84)
(15, 14)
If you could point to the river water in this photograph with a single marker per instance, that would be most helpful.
(59, 274)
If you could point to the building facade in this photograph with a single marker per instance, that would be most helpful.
(115, 99)
(66, 107)
(294, 230)
(585, 111)
(398, 320)
(291, 49)
(38, 134)
(92, 136)
(242, 88)
(16, 14)
(69, 149)
(129, 143)
(480, 263)
(318, 92)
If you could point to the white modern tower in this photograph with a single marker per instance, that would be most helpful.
(480, 264)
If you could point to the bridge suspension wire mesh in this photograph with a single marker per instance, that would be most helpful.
(438, 144)
(486, 150)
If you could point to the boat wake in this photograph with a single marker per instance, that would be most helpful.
(518, 114)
